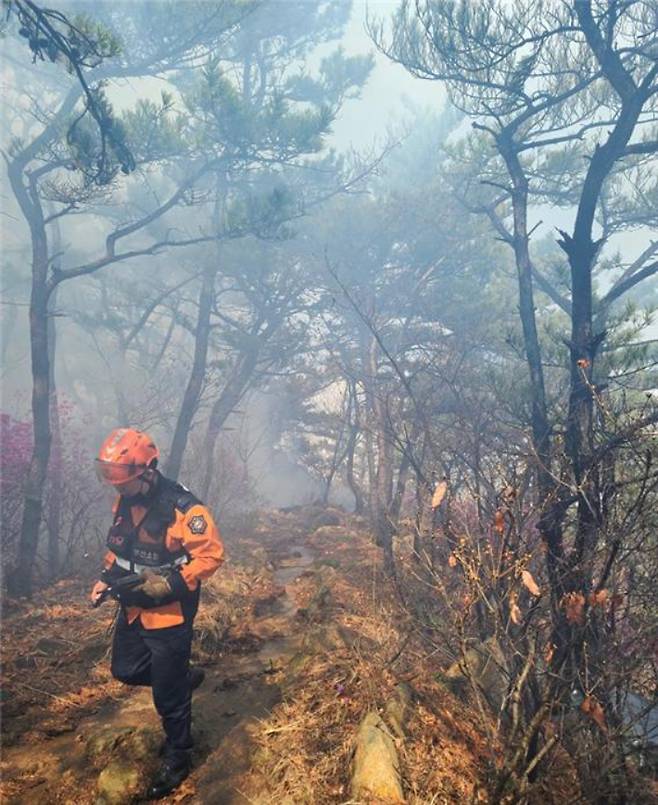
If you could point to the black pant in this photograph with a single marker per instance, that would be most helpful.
(160, 658)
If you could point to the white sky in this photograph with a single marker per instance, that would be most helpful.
(389, 88)
(362, 121)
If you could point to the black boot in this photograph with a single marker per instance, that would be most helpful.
(167, 778)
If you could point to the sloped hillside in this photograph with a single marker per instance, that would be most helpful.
(318, 687)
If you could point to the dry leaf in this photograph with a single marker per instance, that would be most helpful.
(499, 521)
(530, 583)
(439, 494)
(598, 598)
(514, 611)
(548, 653)
(452, 560)
(574, 605)
(592, 708)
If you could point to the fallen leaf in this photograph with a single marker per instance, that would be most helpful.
(592, 708)
(499, 521)
(439, 494)
(530, 584)
(574, 605)
(598, 598)
(514, 611)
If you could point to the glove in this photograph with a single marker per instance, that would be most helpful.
(97, 589)
(155, 586)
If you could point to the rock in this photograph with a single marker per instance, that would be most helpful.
(325, 518)
(102, 744)
(376, 773)
(270, 604)
(51, 646)
(27, 661)
(317, 607)
(122, 743)
(397, 709)
(323, 639)
(57, 727)
(334, 564)
(119, 783)
(487, 667)
(317, 641)
(330, 534)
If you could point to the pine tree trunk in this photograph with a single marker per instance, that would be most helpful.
(354, 424)
(56, 487)
(195, 383)
(20, 581)
(224, 405)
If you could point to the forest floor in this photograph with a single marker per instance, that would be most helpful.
(299, 636)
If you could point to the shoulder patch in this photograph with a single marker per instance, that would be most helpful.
(197, 524)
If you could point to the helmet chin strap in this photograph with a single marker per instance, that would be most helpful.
(149, 477)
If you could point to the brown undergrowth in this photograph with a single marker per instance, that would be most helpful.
(354, 644)
(55, 649)
(307, 745)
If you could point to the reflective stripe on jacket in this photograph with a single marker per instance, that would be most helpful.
(192, 532)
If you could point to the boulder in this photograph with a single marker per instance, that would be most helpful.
(119, 783)
(270, 604)
(51, 647)
(330, 535)
(124, 743)
(328, 517)
(487, 667)
(124, 753)
(397, 709)
(376, 771)
(317, 640)
(327, 638)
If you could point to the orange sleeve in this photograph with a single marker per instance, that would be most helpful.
(200, 537)
(108, 560)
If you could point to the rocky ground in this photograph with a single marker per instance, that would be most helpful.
(308, 695)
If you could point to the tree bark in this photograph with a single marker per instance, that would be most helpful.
(20, 581)
(382, 488)
(353, 415)
(195, 383)
(56, 486)
(230, 396)
(550, 524)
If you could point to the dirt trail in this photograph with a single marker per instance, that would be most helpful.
(239, 689)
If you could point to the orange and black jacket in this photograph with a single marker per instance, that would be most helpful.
(169, 526)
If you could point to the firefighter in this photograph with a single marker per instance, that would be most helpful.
(157, 523)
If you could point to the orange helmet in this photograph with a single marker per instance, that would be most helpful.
(124, 455)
